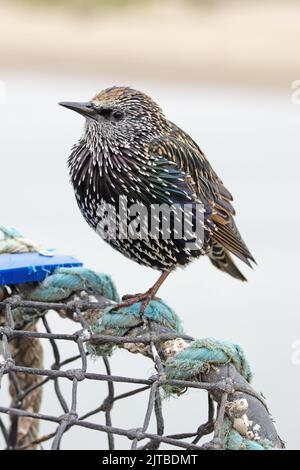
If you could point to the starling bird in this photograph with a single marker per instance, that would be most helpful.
(130, 149)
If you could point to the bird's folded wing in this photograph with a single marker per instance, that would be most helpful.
(217, 200)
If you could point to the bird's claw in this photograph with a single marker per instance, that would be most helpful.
(128, 300)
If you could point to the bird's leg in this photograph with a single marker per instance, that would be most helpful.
(150, 294)
(146, 297)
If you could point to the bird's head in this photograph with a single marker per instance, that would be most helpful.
(119, 113)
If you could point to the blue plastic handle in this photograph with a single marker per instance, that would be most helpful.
(29, 267)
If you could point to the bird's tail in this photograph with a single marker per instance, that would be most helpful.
(221, 258)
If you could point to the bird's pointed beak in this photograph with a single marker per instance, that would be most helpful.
(85, 109)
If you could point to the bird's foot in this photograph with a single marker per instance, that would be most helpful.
(130, 296)
(145, 298)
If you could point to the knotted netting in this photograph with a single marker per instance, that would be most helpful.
(237, 416)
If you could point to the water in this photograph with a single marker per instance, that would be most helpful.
(252, 140)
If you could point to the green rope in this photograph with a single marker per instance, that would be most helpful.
(232, 440)
(60, 285)
(13, 242)
(10, 232)
(198, 358)
(119, 322)
(201, 354)
(66, 281)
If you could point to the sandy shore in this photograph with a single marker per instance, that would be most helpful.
(245, 43)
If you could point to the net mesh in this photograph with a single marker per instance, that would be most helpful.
(27, 382)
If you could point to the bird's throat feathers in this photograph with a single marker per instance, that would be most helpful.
(108, 147)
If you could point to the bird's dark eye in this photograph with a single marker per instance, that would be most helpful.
(105, 112)
(117, 115)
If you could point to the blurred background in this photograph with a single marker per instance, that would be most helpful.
(225, 71)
